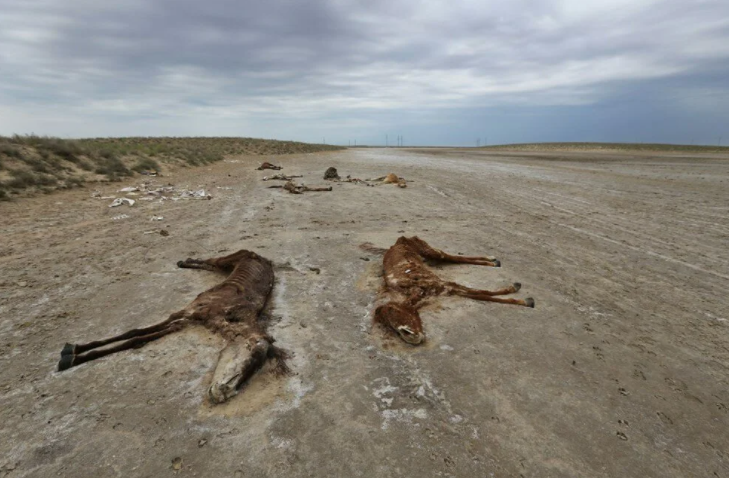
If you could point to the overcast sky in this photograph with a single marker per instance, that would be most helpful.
(445, 72)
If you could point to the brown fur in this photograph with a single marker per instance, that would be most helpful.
(393, 179)
(267, 165)
(231, 309)
(331, 174)
(409, 283)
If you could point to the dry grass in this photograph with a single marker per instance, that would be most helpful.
(39, 163)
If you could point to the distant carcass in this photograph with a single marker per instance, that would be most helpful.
(267, 165)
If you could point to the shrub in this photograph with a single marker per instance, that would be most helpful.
(112, 168)
(67, 150)
(74, 182)
(146, 164)
(107, 153)
(21, 179)
(85, 165)
(37, 165)
(9, 150)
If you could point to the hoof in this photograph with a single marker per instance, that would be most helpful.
(517, 286)
(65, 363)
(497, 263)
(529, 302)
(221, 392)
(68, 349)
(180, 263)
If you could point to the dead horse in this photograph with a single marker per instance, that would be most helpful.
(231, 309)
(409, 283)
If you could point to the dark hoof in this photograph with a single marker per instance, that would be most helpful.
(180, 263)
(517, 286)
(65, 363)
(68, 349)
(529, 302)
(497, 263)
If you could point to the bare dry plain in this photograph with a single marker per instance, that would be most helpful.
(620, 370)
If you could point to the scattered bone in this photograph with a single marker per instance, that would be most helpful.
(162, 191)
(119, 217)
(267, 165)
(199, 194)
(281, 177)
(120, 201)
(157, 218)
(350, 179)
(331, 174)
(409, 284)
(151, 192)
(97, 195)
(231, 309)
(298, 189)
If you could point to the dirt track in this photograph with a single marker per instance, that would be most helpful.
(620, 370)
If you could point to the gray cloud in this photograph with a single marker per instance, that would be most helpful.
(294, 69)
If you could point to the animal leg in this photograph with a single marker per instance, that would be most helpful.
(75, 349)
(225, 263)
(479, 261)
(489, 295)
(196, 264)
(238, 361)
(428, 252)
(71, 360)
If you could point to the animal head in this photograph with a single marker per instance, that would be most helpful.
(402, 319)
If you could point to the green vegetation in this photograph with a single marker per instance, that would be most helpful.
(41, 163)
(146, 164)
(610, 147)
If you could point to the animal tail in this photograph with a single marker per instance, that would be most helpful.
(369, 247)
(280, 356)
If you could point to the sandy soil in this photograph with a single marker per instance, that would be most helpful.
(620, 370)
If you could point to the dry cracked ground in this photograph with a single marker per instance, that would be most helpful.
(620, 370)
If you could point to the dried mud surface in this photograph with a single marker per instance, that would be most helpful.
(620, 370)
